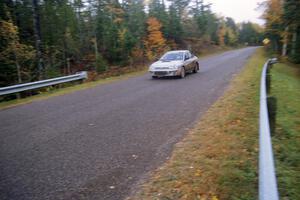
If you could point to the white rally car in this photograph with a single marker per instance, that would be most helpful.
(175, 63)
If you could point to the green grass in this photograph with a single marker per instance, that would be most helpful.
(218, 158)
(285, 87)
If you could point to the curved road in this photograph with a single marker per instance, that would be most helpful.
(100, 142)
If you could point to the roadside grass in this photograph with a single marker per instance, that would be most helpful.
(218, 158)
(115, 74)
(208, 52)
(285, 87)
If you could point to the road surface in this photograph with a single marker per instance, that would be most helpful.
(100, 142)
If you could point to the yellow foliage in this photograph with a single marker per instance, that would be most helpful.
(8, 31)
(117, 13)
(273, 15)
(122, 32)
(214, 198)
(12, 49)
(232, 37)
(155, 42)
(137, 53)
(221, 35)
(266, 41)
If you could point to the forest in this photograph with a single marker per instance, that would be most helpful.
(282, 27)
(48, 38)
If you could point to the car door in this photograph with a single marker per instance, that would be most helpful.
(187, 62)
(193, 61)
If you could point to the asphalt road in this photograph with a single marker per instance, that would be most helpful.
(100, 142)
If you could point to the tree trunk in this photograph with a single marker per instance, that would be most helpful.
(294, 40)
(37, 35)
(96, 53)
(93, 33)
(18, 68)
(65, 57)
(81, 36)
(68, 66)
(285, 41)
(18, 71)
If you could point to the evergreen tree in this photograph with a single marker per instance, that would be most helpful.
(212, 27)
(135, 19)
(249, 34)
(231, 24)
(291, 20)
(174, 25)
(180, 5)
(201, 12)
(157, 9)
(37, 36)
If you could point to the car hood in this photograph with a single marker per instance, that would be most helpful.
(160, 64)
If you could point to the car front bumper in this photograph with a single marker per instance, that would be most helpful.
(162, 73)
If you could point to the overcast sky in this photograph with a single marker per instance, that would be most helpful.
(239, 10)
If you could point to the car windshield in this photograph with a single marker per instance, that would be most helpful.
(172, 56)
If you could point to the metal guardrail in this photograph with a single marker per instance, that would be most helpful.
(39, 84)
(267, 178)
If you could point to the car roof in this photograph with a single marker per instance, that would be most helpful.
(178, 51)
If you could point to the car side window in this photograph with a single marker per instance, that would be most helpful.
(186, 56)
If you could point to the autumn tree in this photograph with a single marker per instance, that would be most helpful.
(221, 34)
(155, 43)
(230, 37)
(283, 27)
(273, 17)
(115, 41)
(157, 9)
(16, 59)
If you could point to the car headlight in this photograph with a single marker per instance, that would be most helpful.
(173, 67)
(151, 68)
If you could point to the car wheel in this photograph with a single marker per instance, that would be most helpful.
(196, 68)
(154, 77)
(182, 73)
